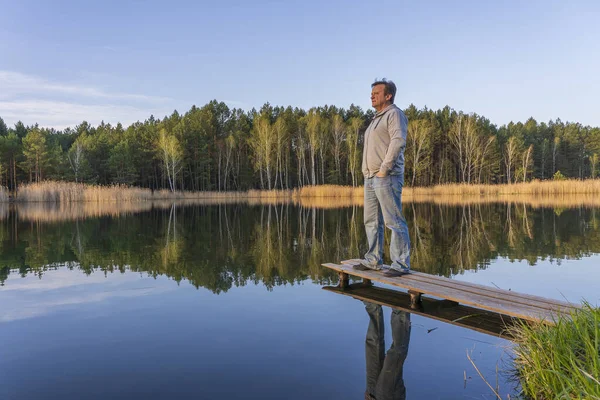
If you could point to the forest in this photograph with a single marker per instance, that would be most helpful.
(217, 148)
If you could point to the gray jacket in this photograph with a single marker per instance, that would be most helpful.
(385, 141)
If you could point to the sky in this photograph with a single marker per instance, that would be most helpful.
(63, 62)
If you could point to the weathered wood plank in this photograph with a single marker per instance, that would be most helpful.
(505, 306)
(483, 321)
(536, 301)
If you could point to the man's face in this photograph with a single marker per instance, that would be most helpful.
(378, 98)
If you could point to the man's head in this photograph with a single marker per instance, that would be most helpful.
(383, 93)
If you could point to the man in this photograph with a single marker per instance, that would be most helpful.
(383, 169)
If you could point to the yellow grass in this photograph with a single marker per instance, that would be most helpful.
(533, 188)
(3, 194)
(66, 192)
(330, 191)
(568, 193)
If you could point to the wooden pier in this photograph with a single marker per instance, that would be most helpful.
(452, 292)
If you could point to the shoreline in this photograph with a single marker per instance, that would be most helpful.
(536, 193)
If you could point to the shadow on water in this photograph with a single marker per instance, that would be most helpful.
(217, 247)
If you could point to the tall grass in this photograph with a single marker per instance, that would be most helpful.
(330, 191)
(4, 195)
(541, 193)
(560, 361)
(533, 188)
(67, 192)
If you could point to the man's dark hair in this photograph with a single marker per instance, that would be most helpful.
(390, 87)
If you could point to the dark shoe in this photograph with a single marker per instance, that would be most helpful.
(360, 267)
(391, 273)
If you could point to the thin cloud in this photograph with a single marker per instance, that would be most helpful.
(17, 84)
(32, 99)
(60, 115)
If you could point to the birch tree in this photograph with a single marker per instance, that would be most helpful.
(313, 130)
(472, 146)
(483, 158)
(418, 145)
(593, 164)
(300, 150)
(230, 145)
(75, 156)
(171, 154)
(458, 143)
(544, 155)
(282, 136)
(510, 157)
(339, 134)
(527, 161)
(555, 145)
(352, 133)
(465, 141)
(263, 143)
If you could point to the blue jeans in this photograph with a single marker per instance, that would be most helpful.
(383, 206)
(385, 370)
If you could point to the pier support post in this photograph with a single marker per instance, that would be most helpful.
(415, 298)
(367, 282)
(344, 280)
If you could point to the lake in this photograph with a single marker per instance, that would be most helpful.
(225, 301)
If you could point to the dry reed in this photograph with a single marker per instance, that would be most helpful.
(568, 193)
(330, 191)
(533, 188)
(4, 194)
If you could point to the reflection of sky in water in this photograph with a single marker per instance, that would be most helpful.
(130, 336)
(66, 290)
(573, 280)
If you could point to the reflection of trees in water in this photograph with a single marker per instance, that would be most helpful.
(218, 247)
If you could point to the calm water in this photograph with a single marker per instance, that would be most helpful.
(227, 302)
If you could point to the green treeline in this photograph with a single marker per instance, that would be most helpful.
(218, 148)
(219, 247)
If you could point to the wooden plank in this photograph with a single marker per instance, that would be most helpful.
(483, 321)
(490, 291)
(432, 289)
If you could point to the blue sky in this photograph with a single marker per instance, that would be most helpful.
(62, 62)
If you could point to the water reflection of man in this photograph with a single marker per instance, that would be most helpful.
(384, 371)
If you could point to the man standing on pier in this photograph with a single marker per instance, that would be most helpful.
(383, 169)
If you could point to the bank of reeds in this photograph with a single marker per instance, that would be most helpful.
(540, 193)
(330, 191)
(68, 192)
(4, 195)
(560, 361)
(533, 188)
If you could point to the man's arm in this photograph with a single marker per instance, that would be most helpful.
(397, 128)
